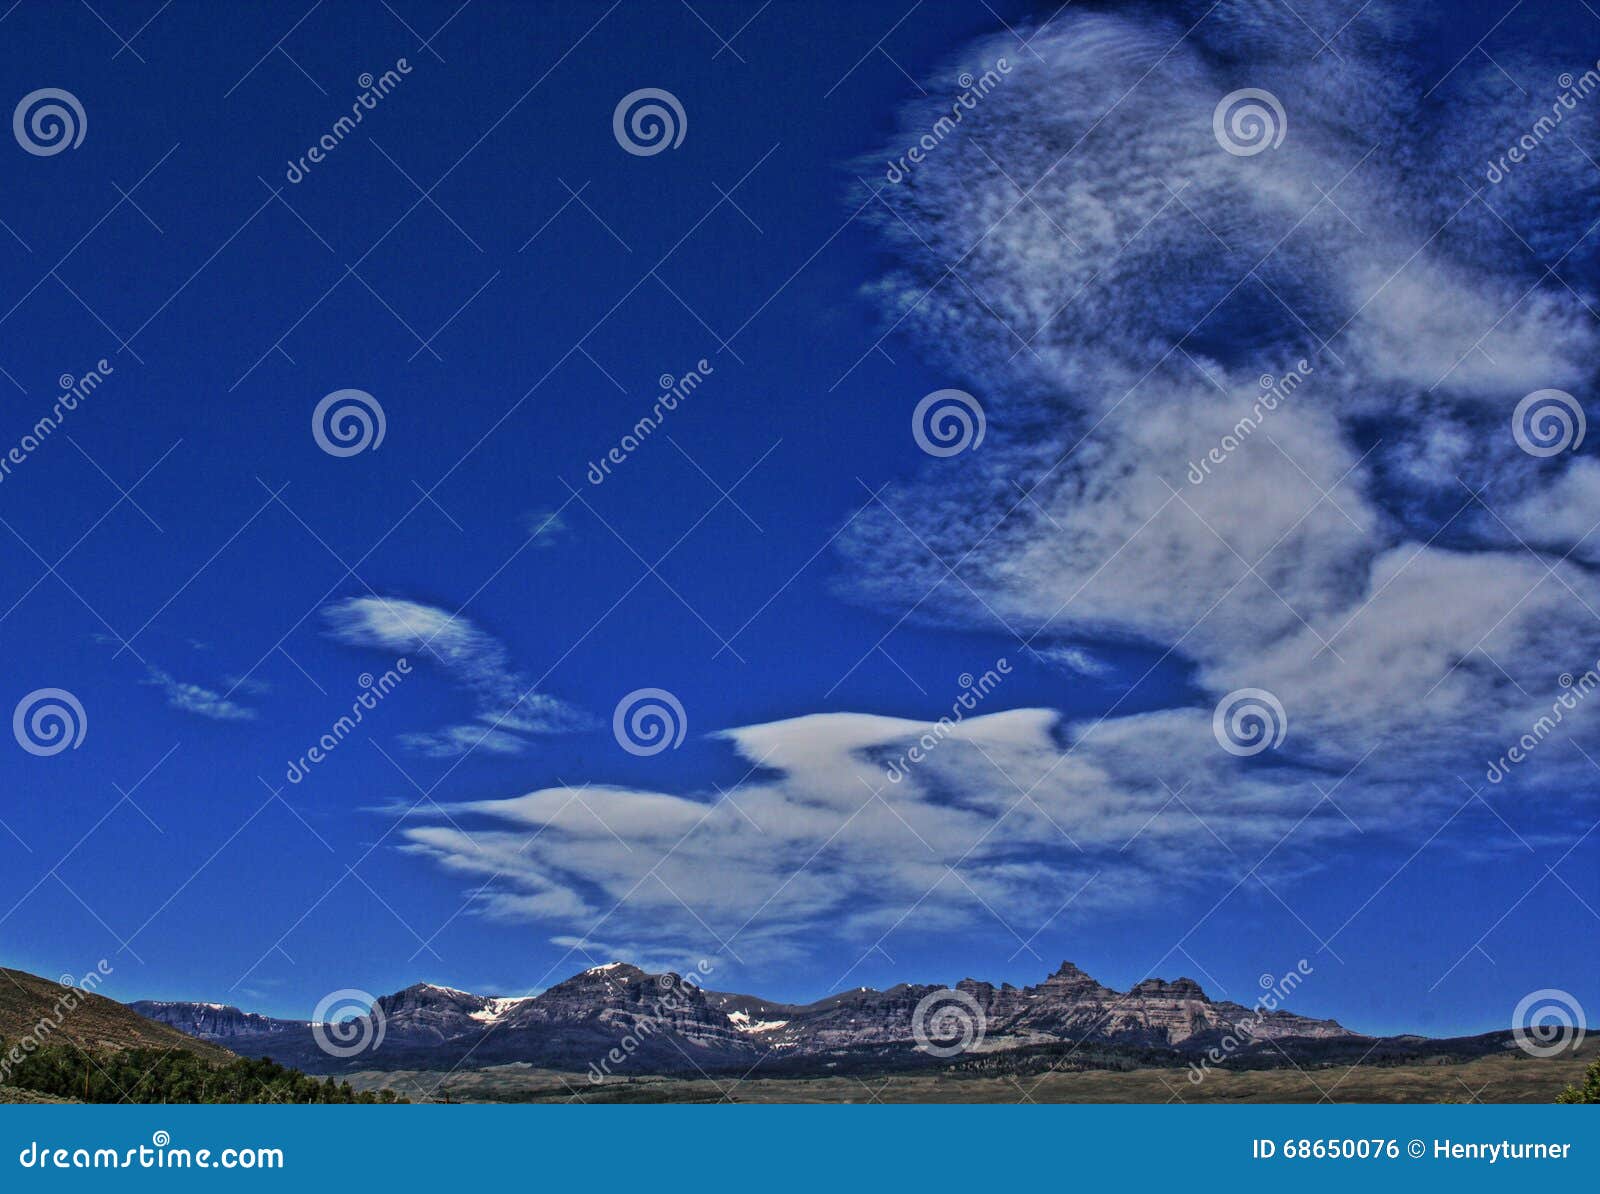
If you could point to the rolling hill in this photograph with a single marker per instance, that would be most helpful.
(51, 1013)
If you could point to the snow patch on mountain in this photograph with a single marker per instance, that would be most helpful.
(742, 1021)
(497, 1008)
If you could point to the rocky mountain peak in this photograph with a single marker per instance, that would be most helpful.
(434, 993)
(1067, 971)
(614, 985)
(1070, 980)
(209, 1021)
(676, 1024)
(1156, 988)
(625, 972)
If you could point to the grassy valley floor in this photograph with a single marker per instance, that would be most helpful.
(1506, 1079)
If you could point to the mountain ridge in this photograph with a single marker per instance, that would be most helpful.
(666, 1022)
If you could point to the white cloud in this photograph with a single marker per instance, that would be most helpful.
(1075, 659)
(197, 699)
(1564, 515)
(458, 740)
(1338, 557)
(1345, 556)
(1004, 818)
(506, 704)
(546, 527)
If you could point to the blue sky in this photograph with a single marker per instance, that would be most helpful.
(1081, 254)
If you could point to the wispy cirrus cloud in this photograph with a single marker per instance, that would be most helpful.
(546, 528)
(1381, 553)
(1074, 659)
(452, 741)
(506, 705)
(197, 699)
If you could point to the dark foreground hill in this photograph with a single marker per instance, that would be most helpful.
(52, 1013)
(61, 1043)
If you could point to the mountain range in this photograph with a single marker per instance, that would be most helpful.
(617, 1019)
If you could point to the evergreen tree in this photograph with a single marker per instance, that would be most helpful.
(1589, 1092)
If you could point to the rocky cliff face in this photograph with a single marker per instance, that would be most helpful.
(1067, 1006)
(666, 1023)
(1070, 1005)
(210, 1021)
(620, 999)
(424, 1012)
